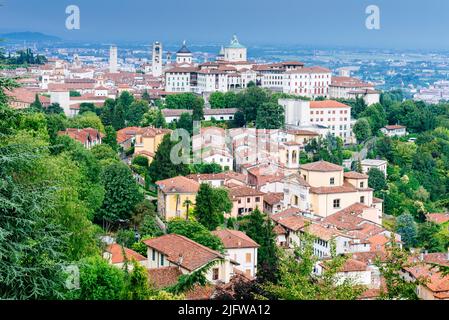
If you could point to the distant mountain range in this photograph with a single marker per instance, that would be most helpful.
(28, 36)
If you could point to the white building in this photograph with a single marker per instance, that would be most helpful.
(394, 130)
(352, 88)
(240, 248)
(369, 164)
(184, 56)
(308, 82)
(235, 51)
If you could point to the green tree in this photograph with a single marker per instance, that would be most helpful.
(362, 129)
(196, 232)
(185, 122)
(54, 108)
(99, 280)
(37, 105)
(118, 117)
(135, 112)
(87, 107)
(270, 116)
(162, 167)
(207, 210)
(250, 101)
(110, 138)
(217, 100)
(121, 193)
(376, 180)
(428, 237)
(259, 227)
(406, 227)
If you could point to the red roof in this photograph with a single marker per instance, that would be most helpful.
(178, 184)
(163, 277)
(235, 239)
(117, 256)
(438, 218)
(327, 104)
(182, 251)
(321, 166)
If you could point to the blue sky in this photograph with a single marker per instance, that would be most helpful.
(412, 24)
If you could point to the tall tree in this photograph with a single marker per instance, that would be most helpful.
(206, 211)
(110, 138)
(406, 227)
(270, 115)
(260, 228)
(121, 193)
(162, 167)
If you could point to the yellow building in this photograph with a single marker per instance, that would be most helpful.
(330, 190)
(148, 140)
(174, 195)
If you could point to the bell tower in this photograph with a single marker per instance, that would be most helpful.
(156, 66)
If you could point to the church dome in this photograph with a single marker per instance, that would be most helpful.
(184, 48)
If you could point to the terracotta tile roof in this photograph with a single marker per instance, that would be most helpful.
(178, 184)
(321, 232)
(355, 175)
(126, 134)
(291, 219)
(296, 178)
(433, 278)
(370, 257)
(152, 132)
(437, 258)
(348, 218)
(144, 153)
(235, 239)
(25, 96)
(182, 251)
(117, 256)
(321, 166)
(345, 188)
(349, 82)
(313, 69)
(273, 197)
(350, 265)
(244, 191)
(394, 127)
(327, 104)
(82, 135)
(163, 277)
(438, 218)
(377, 200)
(278, 230)
(200, 293)
(302, 132)
(217, 176)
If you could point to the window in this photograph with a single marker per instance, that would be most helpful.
(257, 199)
(336, 203)
(248, 257)
(248, 200)
(295, 200)
(332, 181)
(362, 199)
(162, 260)
(154, 254)
(215, 273)
(362, 184)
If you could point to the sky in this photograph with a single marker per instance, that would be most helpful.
(404, 24)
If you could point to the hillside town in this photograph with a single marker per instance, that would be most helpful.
(226, 179)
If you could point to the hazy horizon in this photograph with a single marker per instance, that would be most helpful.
(411, 25)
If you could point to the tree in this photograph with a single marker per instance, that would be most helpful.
(137, 287)
(376, 180)
(135, 112)
(376, 116)
(104, 152)
(362, 129)
(205, 168)
(217, 100)
(259, 227)
(185, 122)
(110, 138)
(196, 232)
(162, 167)
(270, 116)
(31, 245)
(250, 100)
(54, 108)
(391, 269)
(239, 119)
(207, 210)
(118, 117)
(299, 281)
(406, 227)
(107, 112)
(99, 280)
(187, 204)
(55, 123)
(121, 193)
(37, 105)
(87, 107)
(86, 120)
(428, 237)
(159, 121)
(198, 109)
(146, 96)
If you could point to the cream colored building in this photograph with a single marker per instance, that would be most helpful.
(189, 256)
